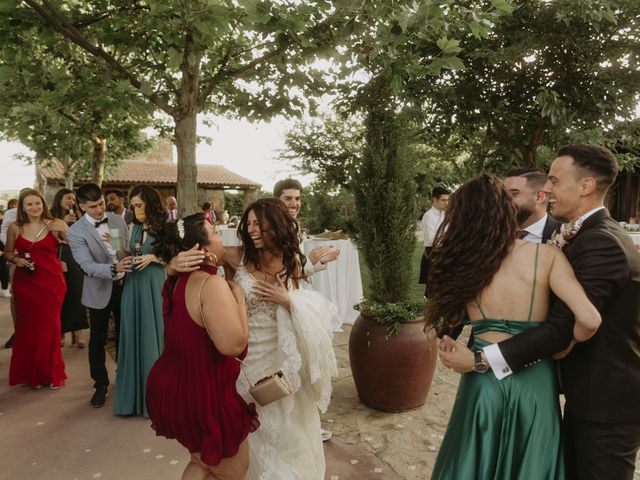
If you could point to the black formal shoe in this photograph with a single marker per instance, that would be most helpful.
(99, 397)
(9, 343)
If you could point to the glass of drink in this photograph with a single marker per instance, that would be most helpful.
(115, 239)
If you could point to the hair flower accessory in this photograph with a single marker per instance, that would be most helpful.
(180, 225)
(567, 232)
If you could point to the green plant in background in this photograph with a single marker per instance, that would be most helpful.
(324, 210)
(390, 314)
(384, 191)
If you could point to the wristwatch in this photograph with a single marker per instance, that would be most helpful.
(480, 366)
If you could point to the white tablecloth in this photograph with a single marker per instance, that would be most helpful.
(635, 236)
(230, 237)
(340, 282)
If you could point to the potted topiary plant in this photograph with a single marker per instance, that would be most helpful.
(392, 357)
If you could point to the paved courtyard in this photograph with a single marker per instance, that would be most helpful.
(56, 435)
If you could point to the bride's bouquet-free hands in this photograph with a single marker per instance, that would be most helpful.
(273, 292)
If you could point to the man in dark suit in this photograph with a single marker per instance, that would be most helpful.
(104, 264)
(600, 377)
(531, 195)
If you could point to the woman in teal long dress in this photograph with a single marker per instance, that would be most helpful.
(141, 325)
(485, 277)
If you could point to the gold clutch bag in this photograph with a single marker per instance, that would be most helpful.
(271, 388)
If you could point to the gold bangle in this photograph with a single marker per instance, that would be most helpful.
(241, 303)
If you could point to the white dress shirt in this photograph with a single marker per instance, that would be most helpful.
(534, 231)
(102, 229)
(9, 217)
(431, 220)
(496, 361)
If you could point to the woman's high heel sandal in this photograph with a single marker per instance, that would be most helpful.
(78, 339)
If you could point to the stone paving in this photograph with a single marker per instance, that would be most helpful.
(56, 435)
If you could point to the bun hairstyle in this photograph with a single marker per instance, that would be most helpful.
(176, 237)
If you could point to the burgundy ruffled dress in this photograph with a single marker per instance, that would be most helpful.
(191, 388)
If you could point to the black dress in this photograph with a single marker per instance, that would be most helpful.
(74, 314)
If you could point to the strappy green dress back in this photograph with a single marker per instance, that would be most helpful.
(507, 429)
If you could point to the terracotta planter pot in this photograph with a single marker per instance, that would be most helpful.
(392, 374)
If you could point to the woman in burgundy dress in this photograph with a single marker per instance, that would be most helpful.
(191, 389)
(38, 290)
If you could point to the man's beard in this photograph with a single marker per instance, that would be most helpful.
(524, 212)
(111, 208)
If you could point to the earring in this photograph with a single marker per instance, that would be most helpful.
(213, 258)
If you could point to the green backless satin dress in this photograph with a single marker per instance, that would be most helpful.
(507, 429)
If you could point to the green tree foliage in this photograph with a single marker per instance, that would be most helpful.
(248, 57)
(410, 40)
(55, 103)
(324, 209)
(329, 147)
(384, 192)
(545, 73)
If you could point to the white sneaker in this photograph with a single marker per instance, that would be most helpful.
(5, 293)
(326, 434)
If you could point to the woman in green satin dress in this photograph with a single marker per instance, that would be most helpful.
(485, 277)
(141, 325)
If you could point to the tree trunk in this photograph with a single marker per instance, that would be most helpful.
(186, 122)
(98, 159)
(528, 152)
(185, 136)
(69, 167)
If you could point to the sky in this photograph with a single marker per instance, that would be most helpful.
(248, 149)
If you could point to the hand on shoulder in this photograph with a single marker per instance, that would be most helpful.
(57, 225)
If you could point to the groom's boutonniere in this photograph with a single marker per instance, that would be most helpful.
(567, 232)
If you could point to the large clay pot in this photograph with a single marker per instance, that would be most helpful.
(392, 373)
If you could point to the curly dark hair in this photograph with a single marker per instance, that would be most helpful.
(477, 233)
(56, 209)
(274, 217)
(168, 242)
(156, 214)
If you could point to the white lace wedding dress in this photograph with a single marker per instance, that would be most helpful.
(288, 445)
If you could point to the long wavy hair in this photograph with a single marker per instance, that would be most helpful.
(153, 208)
(477, 233)
(274, 219)
(168, 242)
(21, 216)
(56, 208)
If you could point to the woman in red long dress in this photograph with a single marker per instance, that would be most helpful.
(191, 389)
(38, 291)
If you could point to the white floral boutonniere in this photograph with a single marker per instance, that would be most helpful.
(567, 232)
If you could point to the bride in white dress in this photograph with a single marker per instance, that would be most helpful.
(289, 330)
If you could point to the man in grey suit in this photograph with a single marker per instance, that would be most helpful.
(104, 264)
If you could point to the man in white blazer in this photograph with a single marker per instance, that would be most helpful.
(104, 267)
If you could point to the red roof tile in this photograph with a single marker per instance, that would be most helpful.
(158, 173)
